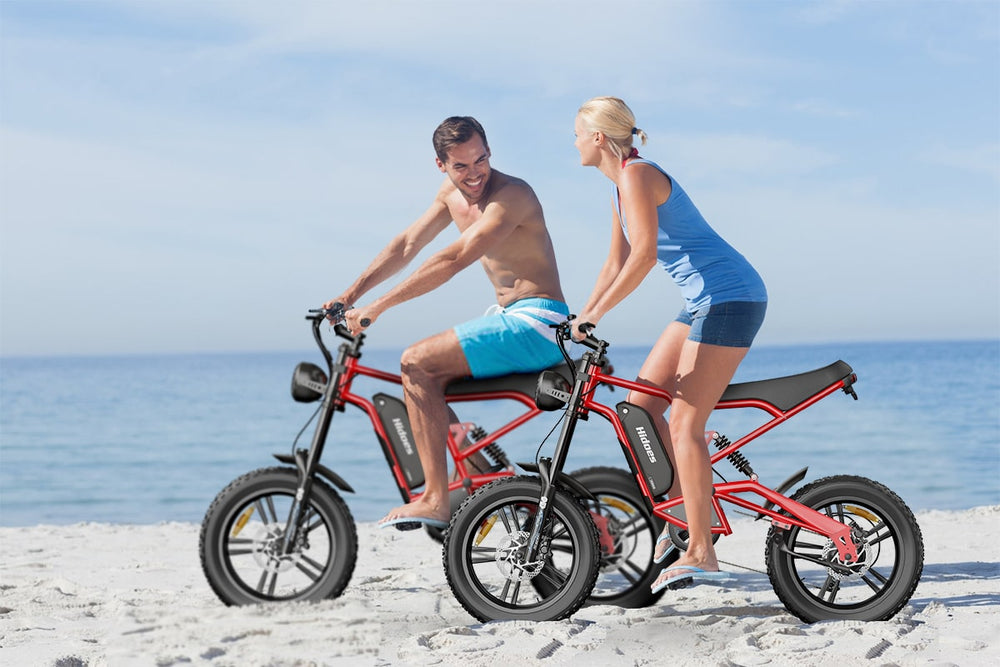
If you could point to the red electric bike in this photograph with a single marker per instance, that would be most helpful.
(842, 547)
(285, 532)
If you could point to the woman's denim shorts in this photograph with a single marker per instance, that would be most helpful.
(732, 324)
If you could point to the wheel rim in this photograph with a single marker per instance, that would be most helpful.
(861, 583)
(495, 556)
(626, 541)
(252, 548)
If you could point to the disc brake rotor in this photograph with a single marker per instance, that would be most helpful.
(509, 557)
(866, 557)
(267, 550)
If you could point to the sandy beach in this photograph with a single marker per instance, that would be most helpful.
(106, 594)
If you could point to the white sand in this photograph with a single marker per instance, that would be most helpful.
(98, 594)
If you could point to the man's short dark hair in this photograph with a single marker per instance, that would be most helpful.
(454, 131)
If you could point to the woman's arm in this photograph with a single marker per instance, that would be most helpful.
(617, 254)
(639, 201)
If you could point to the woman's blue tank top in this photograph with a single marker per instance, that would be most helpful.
(706, 268)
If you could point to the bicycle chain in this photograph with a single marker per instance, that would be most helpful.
(743, 567)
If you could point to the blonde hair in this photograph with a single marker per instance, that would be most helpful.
(611, 117)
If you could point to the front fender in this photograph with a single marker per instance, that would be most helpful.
(566, 480)
(323, 471)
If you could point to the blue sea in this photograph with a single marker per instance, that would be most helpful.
(145, 439)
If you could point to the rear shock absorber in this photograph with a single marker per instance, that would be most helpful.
(492, 451)
(739, 461)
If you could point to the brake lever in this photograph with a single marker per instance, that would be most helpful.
(334, 313)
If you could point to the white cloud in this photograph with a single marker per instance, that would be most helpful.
(983, 159)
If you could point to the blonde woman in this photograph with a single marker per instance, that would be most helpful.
(654, 221)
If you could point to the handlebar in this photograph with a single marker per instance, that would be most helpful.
(564, 332)
(335, 314)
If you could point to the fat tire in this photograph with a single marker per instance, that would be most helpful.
(520, 492)
(902, 574)
(604, 481)
(263, 483)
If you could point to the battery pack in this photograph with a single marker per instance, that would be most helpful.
(650, 457)
(392, 413)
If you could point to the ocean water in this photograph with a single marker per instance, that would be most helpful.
(143, 439)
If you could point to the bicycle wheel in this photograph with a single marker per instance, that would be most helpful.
(484, 554)
(242, 541)
(627, 532)
(890, 554)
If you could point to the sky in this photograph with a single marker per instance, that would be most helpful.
(192, 176)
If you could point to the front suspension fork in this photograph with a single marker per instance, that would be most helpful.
(295, 513)
(549, 470)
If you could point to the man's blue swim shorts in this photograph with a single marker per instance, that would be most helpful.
(515, 339)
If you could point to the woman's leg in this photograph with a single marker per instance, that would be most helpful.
(660, 370)
(703, 373)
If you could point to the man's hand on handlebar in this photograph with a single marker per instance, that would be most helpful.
(359, 319)
(335, 309)
(355, 319)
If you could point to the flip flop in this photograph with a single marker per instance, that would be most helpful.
(691, 576)
(670, 550)
(413, 523)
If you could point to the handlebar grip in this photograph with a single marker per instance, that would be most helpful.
(365, 322)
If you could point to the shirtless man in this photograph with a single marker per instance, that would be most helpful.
(502, 226)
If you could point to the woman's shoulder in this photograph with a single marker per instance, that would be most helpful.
(641, 176)
(641, 165)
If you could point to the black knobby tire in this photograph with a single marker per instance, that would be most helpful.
(627, 532)
(491, 524)
(890, 554)
(242, 534)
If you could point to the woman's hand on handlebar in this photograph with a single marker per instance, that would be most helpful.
(581, 329)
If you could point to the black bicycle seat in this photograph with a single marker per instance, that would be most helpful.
(786, 392)
(521, 382)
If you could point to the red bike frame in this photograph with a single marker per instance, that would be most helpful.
(794, 514)
(353, 368)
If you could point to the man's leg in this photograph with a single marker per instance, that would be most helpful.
(427, 367)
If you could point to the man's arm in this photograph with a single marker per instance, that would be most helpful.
(496, 224)
(399, 252)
